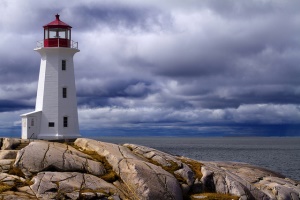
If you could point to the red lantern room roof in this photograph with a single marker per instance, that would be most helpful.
(57, 23)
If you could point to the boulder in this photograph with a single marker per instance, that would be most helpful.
(167, 161)
(144, 180)
(13, 143)
(71, 185)
(222, 180)
(46, 156)
(9, 179)
(279, 187)
(6, 164)
(10, 143)
(52, 170)
(8, 154)
(208, 179)
(26, 189)
(12, 195)
(163, 159)
(197, 187)
(247, 181)
(186, 173)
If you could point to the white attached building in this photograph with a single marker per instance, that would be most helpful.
(55, 115)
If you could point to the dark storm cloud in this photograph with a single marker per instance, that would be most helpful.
(100, 95)
(119, 16)
(251, 9)
(119, 88)
(254, 95)
(12, 70)
(13, 105)
(244, 61)
(183, 63)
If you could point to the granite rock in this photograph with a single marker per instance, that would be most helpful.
(15, 195)
(9, 179)
(10, 143)
(145, 180)
(6, 165)
(8, 154)
(72, 185)
(48, 156)
(99, 170)
(248, 182)
(164, 160)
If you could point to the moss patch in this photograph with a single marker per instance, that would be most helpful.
(19, 183)
(110, 176)
(16, 171)
(213, 196)
(4, 187)
(171, 168)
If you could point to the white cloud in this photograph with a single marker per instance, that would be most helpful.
(119, 116)
(11, 119)
(267, 113)
(17, 91)
(175, 63)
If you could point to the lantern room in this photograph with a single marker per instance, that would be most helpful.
(57, 34)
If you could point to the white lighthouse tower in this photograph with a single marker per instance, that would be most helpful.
(55, 115)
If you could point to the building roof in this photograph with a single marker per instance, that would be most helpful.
(31, 113)
(57, 23)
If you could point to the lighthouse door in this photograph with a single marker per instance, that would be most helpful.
(32, 127)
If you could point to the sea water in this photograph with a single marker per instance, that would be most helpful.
(280, 154)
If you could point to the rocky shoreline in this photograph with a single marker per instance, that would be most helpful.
(90, 169)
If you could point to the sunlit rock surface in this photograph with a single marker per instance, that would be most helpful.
(89, 169)
(45, 156)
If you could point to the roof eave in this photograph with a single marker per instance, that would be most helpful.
(57, 26)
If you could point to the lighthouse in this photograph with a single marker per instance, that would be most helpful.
(55, 116)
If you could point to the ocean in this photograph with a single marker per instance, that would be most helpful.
(280, 154)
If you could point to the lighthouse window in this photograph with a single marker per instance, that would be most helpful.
(53, 33)
(51, 124)
(65, 121)
(64, 92)
(69, 34)
(63, 65)
(46, 33)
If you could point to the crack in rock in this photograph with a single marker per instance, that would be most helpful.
(43, 160)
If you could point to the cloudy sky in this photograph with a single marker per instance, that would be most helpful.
(172, 67)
